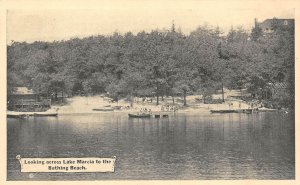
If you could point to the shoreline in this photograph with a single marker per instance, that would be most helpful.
(85, 105)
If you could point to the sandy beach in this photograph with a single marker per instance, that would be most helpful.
(87, 104)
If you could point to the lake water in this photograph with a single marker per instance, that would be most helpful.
(183, 146)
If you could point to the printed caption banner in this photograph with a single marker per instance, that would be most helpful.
(67, 164)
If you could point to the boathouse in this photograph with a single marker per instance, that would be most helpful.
(24, 100)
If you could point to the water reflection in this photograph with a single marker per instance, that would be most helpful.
(207, 146)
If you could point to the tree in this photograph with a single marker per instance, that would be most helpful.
(256, 32)
(158, 63)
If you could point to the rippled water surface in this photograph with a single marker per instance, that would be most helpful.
(183, 146)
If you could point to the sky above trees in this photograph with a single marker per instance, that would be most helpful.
(45, 23)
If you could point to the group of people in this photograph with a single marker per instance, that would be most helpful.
(145, 111)
(168, 108)
(251, 105)
(163, 108)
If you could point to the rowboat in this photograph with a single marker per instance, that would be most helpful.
(139, 115)
(104, 109)
(248, 111)
(223, 111)
(161, 115)
(44, 114)
(19, 116)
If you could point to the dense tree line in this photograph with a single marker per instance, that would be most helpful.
(158, 64)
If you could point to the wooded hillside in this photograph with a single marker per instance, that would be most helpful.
(159, 63)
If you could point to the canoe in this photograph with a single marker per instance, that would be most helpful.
(233, 111)
(19, 116)
(44, 114)
(223, 111)
(106, 109)
(28, 114)
(266, 110)
(139, 115)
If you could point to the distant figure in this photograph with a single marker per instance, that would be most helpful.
(240, 105)
(175, 109)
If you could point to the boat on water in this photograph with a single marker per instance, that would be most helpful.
(248, 111)
(143, 115)
(223, 111)
(19, 116)
(22, 116)
(104, 109)
(44, 114)
(161, 115)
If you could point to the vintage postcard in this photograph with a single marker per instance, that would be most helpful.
(141, 90)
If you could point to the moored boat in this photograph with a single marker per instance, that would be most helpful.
(223, 111)
(248, 111)
(19, 116)
(139, 115)
(44, 114)
(29, 114)
(104, 109)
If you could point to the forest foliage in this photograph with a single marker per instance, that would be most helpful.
(158, 63)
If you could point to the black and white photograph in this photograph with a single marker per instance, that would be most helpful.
(170, 90)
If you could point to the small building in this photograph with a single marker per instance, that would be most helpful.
(267, 26)
(278, 89)
(272, 90)
(24, 100)
(22, 94)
